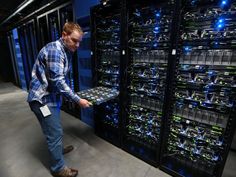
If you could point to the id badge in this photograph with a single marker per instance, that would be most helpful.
(45, 111)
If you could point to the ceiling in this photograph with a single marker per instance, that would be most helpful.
(8, 7)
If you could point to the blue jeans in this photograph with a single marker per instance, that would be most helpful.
(53, 132)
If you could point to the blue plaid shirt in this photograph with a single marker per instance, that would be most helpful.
(49, 75)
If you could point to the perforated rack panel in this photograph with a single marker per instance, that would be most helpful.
(98, 95)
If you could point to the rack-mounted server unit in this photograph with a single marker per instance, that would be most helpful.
(200, 125)
(107, 67)
(149, 25)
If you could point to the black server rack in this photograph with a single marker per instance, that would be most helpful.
(23, 47)
(27, 32)
(11, 45)
(149, 25)
(53, 24)
(33, 39)
(28, 46)
(66, 15)
(17, 57)
(201, 120)
(107, 67)
(42, 31)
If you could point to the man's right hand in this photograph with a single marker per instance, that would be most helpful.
(83, 103)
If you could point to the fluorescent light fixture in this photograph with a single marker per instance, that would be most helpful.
(19, 8)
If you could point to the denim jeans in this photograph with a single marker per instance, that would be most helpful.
(53, 132)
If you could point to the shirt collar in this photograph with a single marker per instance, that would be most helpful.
(64, 47)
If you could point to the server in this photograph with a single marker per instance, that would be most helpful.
(177, 92)
(106, 48)
(148, 45)
(42, 31)
(173, 64)
(199, 130)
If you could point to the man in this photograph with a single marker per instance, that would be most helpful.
(46, 87)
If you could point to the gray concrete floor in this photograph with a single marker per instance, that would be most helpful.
(23, 152)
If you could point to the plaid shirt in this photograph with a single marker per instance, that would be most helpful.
(49, 75)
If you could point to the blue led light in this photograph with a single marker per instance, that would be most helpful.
(220, 23)
(116, 121)
(158, 14)
(156, 30)
(187, 49)
(224, 2)
(155, 45)
(210, 72)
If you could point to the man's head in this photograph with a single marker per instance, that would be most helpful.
(72, 35)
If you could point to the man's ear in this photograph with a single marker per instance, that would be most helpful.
(63, 34)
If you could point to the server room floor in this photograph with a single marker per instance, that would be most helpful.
(23, 151)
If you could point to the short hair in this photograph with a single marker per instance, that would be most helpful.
(69, 27)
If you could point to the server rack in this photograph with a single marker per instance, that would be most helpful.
(53, 24)
(42, 31)
(66, 14)
(13, 57)
(149, 25)
(107, 67)
(200, 125)
(27, 32)
(16, 51)
(26, 64)
(28, 45)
